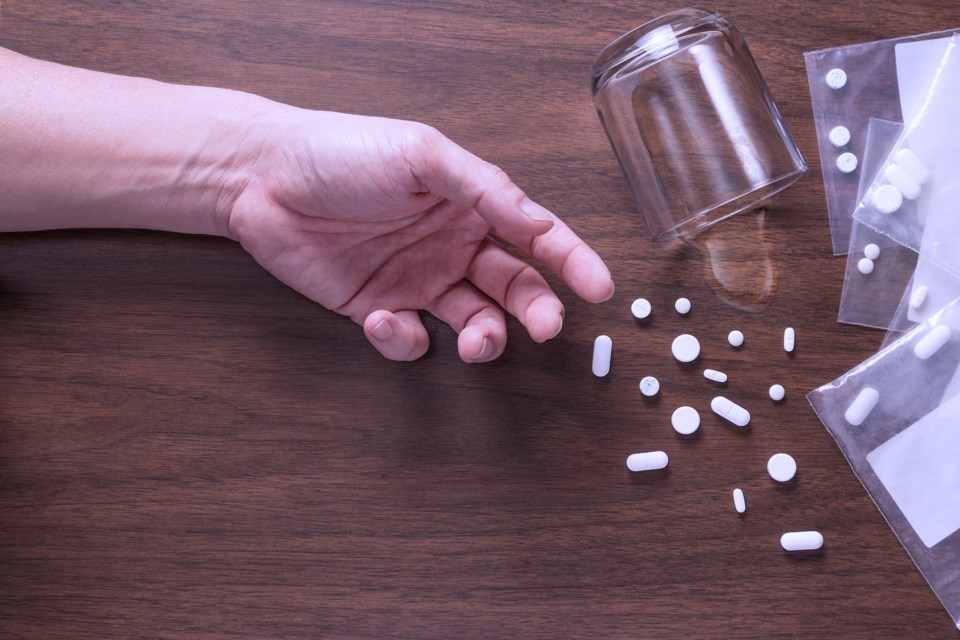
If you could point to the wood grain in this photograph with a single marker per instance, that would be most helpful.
(188, 449)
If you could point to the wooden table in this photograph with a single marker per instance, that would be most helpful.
(188, 449)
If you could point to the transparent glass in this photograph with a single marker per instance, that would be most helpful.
(692, 122)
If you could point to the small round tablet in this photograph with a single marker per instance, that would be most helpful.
(887, 199)
(686, 348)
(839, 136)
(871, 251)
(836, 78)
(847, 162)
(865, 266)
(782, 467)
(640, 308)
(685, 420)
(683, 306)
(735, 338)
(777, 392)
(649, 386)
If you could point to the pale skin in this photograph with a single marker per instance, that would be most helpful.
(373, 218)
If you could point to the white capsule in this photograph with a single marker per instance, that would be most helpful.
(730, 411)
(871, 251)
(836, 78)
(847, 162)
(716, 376)
(789, 339)
(801, 540)
(602, 350)
(899, 178)
(649, 386)
(865, 266)
(918, 297)
(739, 502)
(641, 308)
(887, 199)
(861, 406)
(685, 420)
(686, 348)
(649, 461)
(777, 392)
(912, 164)
(931, 343)
(683, 306)
(782, 467)
(735, 338)
(839, 136)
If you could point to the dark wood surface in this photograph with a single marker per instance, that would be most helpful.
(188, 449)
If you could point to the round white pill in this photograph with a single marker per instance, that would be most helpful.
(649, 386)
(683, 306)
(739, 502)
(872, 251)
(782, 467)
(640, 308)
(801, 540)
(685, 420)
(735, 338)
(839, 136)
(887, 199)
(836, 78)
(686, 348)
(865, 266)
(777, 392)
(847, 162)
(648, 461)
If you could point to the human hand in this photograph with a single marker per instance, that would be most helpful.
(377, 219)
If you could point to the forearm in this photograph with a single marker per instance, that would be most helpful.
(85, 149)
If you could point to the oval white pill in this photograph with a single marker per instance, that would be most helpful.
(730, 411)
(801, 540)
(739, 502)
(683, 306)
(777, 392)
(847, 162)
(887, 199)
(861, 406)
(648, 461)
(686, 348)
(865, 266)
(782, 467)
(685, 420)
(918, 297)
(789, 339)
(898, 176)
(931, 343)
(839, 136)
(735, 338)
(649, 386)
(602, 350)
(716, 376)
(912, 165)
(836, 78)
(641, 308)
(871, 251)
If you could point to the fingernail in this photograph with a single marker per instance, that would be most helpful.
(534, 211)
(559, 329)
(485, 350)
(382, 330)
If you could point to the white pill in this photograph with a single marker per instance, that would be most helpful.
(716, 376)
(861, 406)
(887, 199)
(683, 306)
(641, 308)
(782, 467)
(931, 343)
(777, 392)
(649, 461)
(801, 540)
(649, 386)
(847, 162)
(836, 78)
(789, 339)
(912, 164)
(602, 350)
(685, 348)
(685, 420)
(839, 136)
(730, 411)
(899, 178)
(918, 297)
(739, 502)
(865, 266)
(871, 251)
(735, 338)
